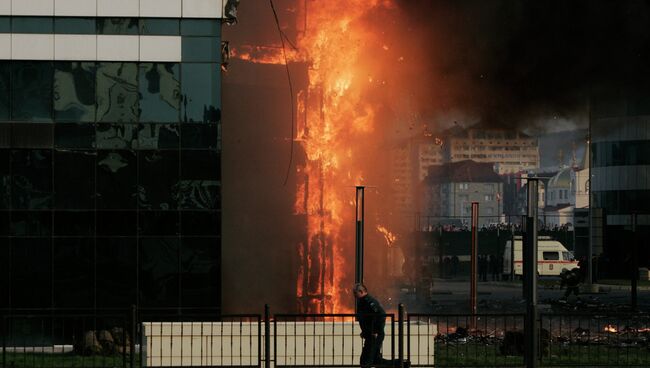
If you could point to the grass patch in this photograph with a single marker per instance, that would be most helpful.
(20, 360)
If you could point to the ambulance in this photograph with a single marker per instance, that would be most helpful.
(552, 257)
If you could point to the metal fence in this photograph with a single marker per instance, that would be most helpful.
(130, 338)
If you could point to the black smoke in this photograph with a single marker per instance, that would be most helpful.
(508, 60)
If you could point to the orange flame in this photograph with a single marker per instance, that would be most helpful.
(610, 328)
(388, 236)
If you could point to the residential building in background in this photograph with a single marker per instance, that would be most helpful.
(110, 151)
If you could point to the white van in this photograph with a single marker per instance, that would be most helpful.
(552, 257)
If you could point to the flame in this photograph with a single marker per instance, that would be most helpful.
(610, 328)
(390, 237)
(264, 54)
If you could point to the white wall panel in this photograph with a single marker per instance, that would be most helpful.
(32, 7)
(32, 46)
(75, 8)
(5, 7)
(160, 48)
(118, 8)
(5, 46)
(203, 8)
(118, 48)
(75, 47)
(160, 8)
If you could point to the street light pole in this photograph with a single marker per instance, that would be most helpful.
(360, 207)
(531, 341)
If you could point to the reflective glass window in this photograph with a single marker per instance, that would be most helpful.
(158, 136)
(74, 179)
(66, 25)
(117, 272)
(5, 267)
(43, 25)
(117, 26)
(5, 24)
(200, 136)
(201, 92)
(31, 272)
(74, 91)
(117, 92)
(73, 223)
(200, 27)
(160, 92)
(73, 272)
(159, 176)
(74, 136)
(31, 184)
(159, 272)
(154, 26)
(159, 223)
(31, 90)
(117, 223)
(200, 272)
(116, 136)
(31, 223)
(31, 135)
(206, 223)
(5, 74)
(116, 179)
(201, 49)
(5, 178)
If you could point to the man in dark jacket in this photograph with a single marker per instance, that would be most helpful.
(372, 319)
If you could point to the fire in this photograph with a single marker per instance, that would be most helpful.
(332, 117)
(610, 328)
(388, 236)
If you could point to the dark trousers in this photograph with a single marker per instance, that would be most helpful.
(371, 353)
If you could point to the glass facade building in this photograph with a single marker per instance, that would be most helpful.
(110, 153)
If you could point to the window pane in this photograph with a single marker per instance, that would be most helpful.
(31, 179)
(73, 272)
(117, 92)
(122, 223)
(117, 26)
(73, 135)
(5, 73)
(152, 26)
(551, 256)
(5, 275)
(75, 25)
(158, 223)
(159, 272)
(116, 180)
(43, 25)
(31, 135)
(5, 24)
(160, 94)
(74, 91)
(117, 272)
(31, 276)
(201, 49)
(205, 136)
(75, 223)
(201, 93)
(158, 136)
(201, 223)
(74, 179)
(5, 178)
(201, 270)
(31, 223)
(31, 88)
(200, 27)
(159, 174)
(117, 136)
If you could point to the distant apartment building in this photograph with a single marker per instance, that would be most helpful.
(450, 189)
(509, 150)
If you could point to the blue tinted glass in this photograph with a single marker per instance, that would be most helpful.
(31, 89)
(152, 26)
(75, 25)
(117, 92)
(160, 94)
(5, 25)
(117, 26)
(200, 27)
(74, 91)
(32, 25)
(201, 49)
(201, 89)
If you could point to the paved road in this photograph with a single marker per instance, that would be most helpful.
(453, 296)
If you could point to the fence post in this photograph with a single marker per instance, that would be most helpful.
(4, 340)
(134, 322)
(267, 336)
(400, 334)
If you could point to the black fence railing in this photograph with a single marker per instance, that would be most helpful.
(465, 340)
(326, 340)
(136, 338)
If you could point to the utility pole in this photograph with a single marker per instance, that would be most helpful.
(531, 337)
(360, 206)
(473, 261)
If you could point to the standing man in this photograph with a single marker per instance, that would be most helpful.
(372, 319)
